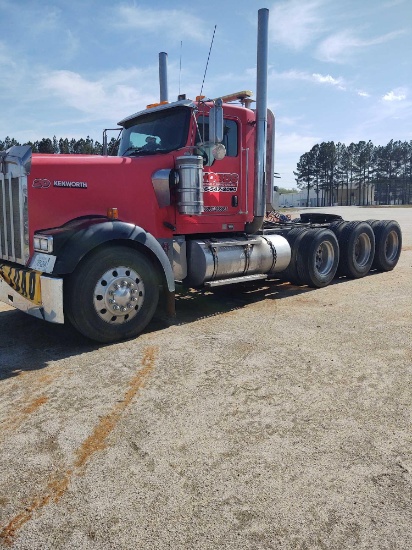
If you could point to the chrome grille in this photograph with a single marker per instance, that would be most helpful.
(13, 218)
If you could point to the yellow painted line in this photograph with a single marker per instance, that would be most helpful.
(97, 441)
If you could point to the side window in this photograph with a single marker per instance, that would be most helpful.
(230, 137)
(230, 134)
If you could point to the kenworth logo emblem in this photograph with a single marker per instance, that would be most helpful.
(70, 184)
(41, 183)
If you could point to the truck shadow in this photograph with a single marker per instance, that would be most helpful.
(28, 344)
(193, 304)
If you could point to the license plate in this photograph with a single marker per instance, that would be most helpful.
(24, 281)
(42, 262)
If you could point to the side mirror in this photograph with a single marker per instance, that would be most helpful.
(219, 151)
(216, 122)
(211, 152)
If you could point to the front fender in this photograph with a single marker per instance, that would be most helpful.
(75, 239)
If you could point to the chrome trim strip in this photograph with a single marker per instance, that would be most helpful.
(5, 252)
(12, 253)
(270, 161)
(246, 150)
(4, 212)
(24, 252)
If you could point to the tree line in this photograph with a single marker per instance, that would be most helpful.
(359, 173)
(64, 146)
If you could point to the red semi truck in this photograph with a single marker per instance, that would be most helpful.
(94, 240)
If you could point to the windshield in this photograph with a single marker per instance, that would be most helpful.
(158, 132)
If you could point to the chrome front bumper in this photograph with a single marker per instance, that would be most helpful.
(51, 308)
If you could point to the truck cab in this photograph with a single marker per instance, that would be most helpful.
(168, 131)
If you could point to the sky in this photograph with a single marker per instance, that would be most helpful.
(338, 70)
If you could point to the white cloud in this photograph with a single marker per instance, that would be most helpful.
(395, 95)
(383, 119)
(310, 77)
(327, 79)
(361, 93)
(295, 23)
(171, 22)
(111, 96)
(340, 46)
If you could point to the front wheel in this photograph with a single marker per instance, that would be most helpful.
(112, 294)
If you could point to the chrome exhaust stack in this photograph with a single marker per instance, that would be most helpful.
(259, 209)
(164, 94)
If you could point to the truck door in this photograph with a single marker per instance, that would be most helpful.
(222, 179)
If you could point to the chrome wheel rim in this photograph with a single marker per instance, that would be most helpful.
(362, 249)
(391, 245)
(118, 295)
(324, 258)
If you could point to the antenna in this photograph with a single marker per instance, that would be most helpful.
(208, 57)
(180, 64)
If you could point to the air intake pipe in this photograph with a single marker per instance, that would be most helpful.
(261, 123)
(164, 94)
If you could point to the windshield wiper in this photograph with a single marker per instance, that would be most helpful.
(131, 148)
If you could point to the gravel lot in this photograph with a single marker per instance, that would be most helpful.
(272, 417)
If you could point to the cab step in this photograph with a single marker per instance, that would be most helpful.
(243, 279)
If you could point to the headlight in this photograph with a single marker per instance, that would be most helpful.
(42, 243)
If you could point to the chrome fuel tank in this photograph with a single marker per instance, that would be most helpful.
(225, 258)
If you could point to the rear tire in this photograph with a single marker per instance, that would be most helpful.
(337, 227)
(318, 258)
(388, 245)
(357, 248)
(112, 294)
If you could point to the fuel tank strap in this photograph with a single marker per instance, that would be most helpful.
(274, 253)
(213, 249)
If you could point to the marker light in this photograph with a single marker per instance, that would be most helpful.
(151, 105)
(113, 213)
